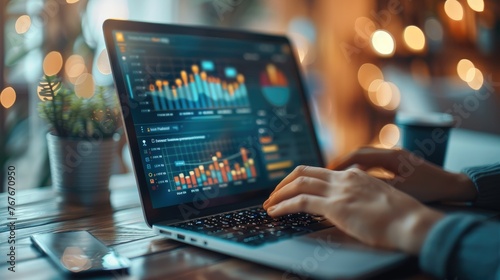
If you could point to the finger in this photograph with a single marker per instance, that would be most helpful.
(301, 185)
(302, 170)
(302, 203)
(372, 157)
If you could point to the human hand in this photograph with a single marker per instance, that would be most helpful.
(413, 175)
(358, 204)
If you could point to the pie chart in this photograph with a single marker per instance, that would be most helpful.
(274, 86)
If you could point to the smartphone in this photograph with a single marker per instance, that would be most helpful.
(80, 253)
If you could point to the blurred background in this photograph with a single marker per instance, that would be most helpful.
(363, 62)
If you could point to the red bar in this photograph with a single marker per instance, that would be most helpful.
(244, 154)
(244, 173)
(210, 181)
(237, 169)
(223, 172)
(216, 164)
(252, 168)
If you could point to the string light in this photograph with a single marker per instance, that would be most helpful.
(8, 97)
(367, 73)
(475, 78)
(23, 24)
(383, 43)
(85, 86)
(454, 9)
(389, 135)
(52, 63)
(463, 67)
(476, 5)
(414, 38)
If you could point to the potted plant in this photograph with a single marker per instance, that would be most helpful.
(81, 140)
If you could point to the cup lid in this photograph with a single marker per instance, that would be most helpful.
(425, 119)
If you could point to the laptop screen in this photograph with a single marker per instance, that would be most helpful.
(215, 115)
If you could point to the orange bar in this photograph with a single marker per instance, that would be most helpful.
(210, 181)
(243, 172)
(197, 172)
(188, 179)
(223, 172)
(252, 168)
(193, 178)
(183, 181)
(178, 188)
(244, 154)
(214, 159)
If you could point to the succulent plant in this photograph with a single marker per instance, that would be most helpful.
(71, 116)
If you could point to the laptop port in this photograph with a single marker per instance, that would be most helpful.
(181, 237)
(192, 239)
(165, 232)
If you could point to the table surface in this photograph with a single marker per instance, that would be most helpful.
(122, 227)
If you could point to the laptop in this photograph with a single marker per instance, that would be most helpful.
(215, 120)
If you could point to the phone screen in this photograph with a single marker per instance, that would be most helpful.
(79, 252)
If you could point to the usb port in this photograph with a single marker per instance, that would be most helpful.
(193, 239)
(181, 237)
(165, 232)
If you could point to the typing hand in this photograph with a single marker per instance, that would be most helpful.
(358, 204)
(413, 175)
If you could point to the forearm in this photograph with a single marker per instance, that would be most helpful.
(486, 180)
(463, 247)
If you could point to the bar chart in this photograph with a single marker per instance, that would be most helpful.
(199, 90)
(204, 164)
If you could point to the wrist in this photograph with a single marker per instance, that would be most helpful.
(468, 189)
(414, 228)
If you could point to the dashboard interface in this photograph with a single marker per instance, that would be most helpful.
(212, 114)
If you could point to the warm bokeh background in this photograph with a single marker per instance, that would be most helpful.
(363, 61)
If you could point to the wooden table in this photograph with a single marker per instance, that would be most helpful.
(122, 227)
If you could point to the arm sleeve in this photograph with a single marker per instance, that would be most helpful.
(462, 246)
(487, 181)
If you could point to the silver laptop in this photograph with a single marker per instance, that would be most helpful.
(215, 119)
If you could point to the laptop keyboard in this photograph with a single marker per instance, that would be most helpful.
(254, 227)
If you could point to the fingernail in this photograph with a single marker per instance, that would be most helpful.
(271, 209)
(265, 203)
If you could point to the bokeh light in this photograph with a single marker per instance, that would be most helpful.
(85, 86)
(383, 43)
(475, 78)
(414, 38)
(389, 135)
(103, 63)
(372, 90)
(8, 97)
(23, 24)
(367, 73)
(395, 98)
(74, 67)
(476, 5)
(433, 29)
(463, 67)
(383, 94)
(454, 9)
(52, 63)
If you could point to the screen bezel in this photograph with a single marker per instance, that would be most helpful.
(217, 205)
